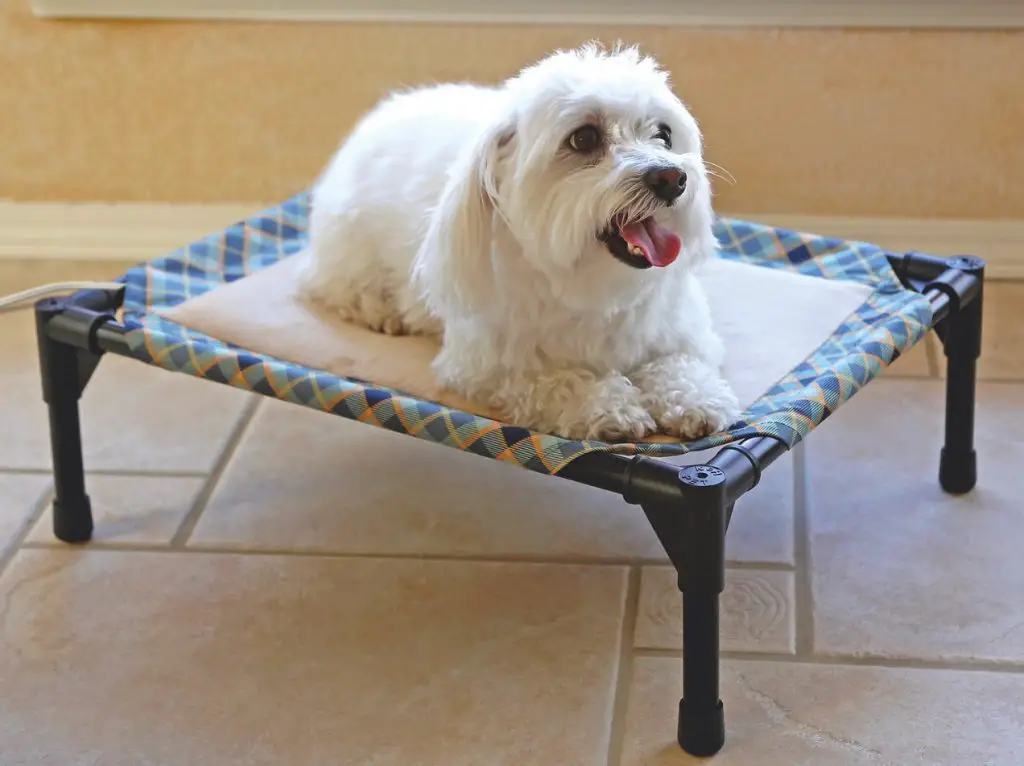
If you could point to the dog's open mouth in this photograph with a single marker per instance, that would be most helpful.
(642, 244)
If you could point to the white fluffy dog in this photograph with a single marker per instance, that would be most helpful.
(547, 232)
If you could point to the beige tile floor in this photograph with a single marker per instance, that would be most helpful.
(270, 585)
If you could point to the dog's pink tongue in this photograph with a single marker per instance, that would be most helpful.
(659, 245)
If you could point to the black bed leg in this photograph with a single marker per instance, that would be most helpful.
(961, 337)
(701, 580)
(688, 512)
(701, 714)
(64, 371)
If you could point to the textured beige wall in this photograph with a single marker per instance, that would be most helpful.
(809, 121)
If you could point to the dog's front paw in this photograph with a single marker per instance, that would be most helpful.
(576, 404)
(689, 399)
(627, 422)
(698, 420)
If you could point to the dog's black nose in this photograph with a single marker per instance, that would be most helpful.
(667, 183)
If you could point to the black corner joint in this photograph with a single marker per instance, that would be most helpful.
(704, 521)
(64, 328)
(961, 335)
(69, 352)
(684, 505)
(961, 282)
(913, 268)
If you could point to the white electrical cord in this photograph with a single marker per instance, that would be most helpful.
(17, 300)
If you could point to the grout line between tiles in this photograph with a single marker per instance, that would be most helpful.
(803, 590)
(624, 669)
(650, 652)
(469, 558)
(998, 381)
(27, 471)
(21, 535)
(939, 377)
(859, 661)
(188, 524)
(761, 566)
(148, 474)
(129, 473)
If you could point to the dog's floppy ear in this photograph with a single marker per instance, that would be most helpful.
(453, 262)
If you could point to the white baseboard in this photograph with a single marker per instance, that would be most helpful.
(142, 231)
(962, 14)
(109, 232)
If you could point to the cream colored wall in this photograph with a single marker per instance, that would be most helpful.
(835, 122)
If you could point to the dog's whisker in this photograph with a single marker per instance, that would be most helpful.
(729, 181)
(709, 165)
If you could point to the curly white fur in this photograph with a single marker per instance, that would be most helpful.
(462, 211)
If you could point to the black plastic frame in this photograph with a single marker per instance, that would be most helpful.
(689, 507)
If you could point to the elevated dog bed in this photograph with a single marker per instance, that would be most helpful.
(807, 320)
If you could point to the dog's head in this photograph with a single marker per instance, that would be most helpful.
(593, 170)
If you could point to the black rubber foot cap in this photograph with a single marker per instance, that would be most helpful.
(701, 734)
(73, 524)
(958, 471)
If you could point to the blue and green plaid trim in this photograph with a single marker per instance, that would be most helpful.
(890, 321)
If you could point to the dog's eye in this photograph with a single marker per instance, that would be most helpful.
(585, 139)
(664, 135)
